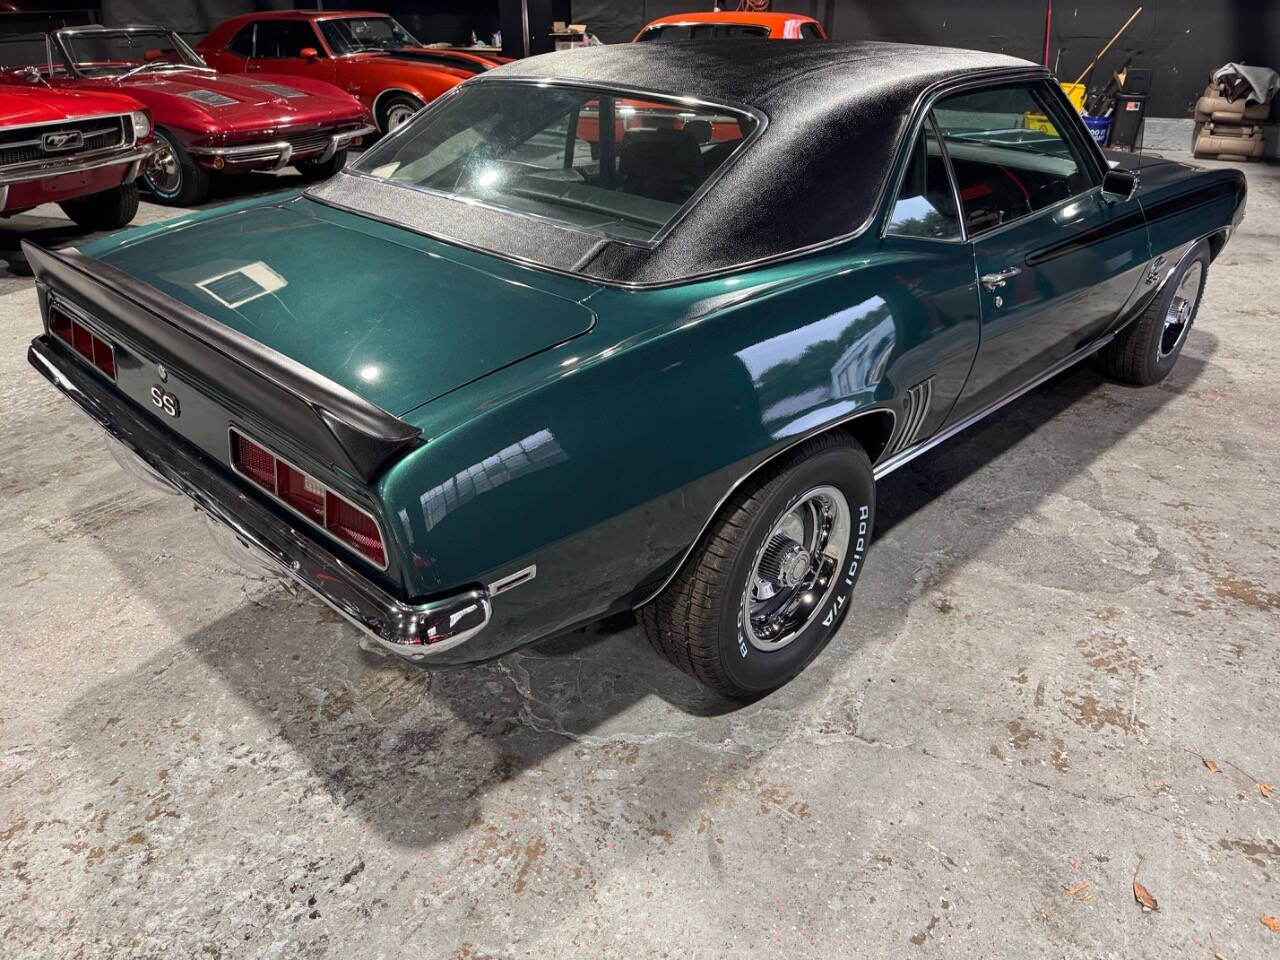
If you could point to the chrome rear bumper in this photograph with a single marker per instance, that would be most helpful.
(414, 631)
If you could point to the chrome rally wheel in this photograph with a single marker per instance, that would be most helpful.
(770, 581)
(163, 171)
(1181, 309)
(795, 570)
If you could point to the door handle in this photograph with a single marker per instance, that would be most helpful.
(994, 281)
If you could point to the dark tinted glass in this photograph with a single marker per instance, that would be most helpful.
(242, 42)
(704, 31)
(284, 38)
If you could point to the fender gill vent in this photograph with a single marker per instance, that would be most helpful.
(280, 90)
(208, 97)
(918, 400)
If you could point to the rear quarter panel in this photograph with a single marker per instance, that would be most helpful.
(601, 460)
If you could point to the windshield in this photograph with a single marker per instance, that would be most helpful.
(361, 34)
(551, 151)
(101, 53)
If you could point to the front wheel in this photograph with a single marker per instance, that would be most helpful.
(770, 582)
(173, 176)
(1145, 351)
(315, 170)
(396, 110)
(108, 210)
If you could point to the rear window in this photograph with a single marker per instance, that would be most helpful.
(619, 164)
(704, 31)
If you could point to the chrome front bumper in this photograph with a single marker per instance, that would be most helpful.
(279, 153)
(133, 155)
(414, 631)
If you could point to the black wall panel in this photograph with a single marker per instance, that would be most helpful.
(1181, 40)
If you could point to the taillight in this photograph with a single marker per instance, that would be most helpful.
(255, 462)
(305, 494)
(353, 527)
(309, 498)
(83, 341)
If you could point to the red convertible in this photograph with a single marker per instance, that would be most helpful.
(369, 55)
(207, 121)
(79, 150)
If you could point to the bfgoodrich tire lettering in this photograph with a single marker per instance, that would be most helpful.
(697, 621)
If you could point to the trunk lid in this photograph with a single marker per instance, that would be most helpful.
(396, 318)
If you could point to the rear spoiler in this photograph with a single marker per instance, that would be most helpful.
(324, 416)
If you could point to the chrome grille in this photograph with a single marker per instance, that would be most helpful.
(310, 142)
(32, 144)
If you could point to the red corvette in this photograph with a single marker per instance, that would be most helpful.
(79, 150)
(369, 55)
(207, 121)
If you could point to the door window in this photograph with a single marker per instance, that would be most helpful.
(242, 42)
(1009, 157)
(284, 38)
(926, 204)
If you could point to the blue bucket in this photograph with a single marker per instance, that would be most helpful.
(1098, 126)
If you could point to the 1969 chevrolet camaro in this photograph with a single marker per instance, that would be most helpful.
(630, 327)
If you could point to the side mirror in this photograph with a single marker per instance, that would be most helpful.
(1119, 185)
(309, 53)
(31, 75)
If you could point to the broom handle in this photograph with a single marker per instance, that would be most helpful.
(1109, 43)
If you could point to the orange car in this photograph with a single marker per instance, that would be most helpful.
(369, 55)
(736, 24)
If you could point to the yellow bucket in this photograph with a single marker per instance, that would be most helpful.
(1038, 121)
(1075, 93)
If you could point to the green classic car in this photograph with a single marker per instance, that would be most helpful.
(630, 328)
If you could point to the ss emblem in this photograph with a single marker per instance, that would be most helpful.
(165, 401)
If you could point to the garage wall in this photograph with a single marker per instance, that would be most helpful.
(188, 17)
(1181, 40)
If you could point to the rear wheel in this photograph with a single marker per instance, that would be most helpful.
(321, 169)
(770, 582)
(173, 176)
(108, 210)
(1145, 351)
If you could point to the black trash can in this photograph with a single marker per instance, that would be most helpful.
(1126, 121)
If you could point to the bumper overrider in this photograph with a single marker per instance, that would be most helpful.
(131, 156)
(414, 631)
(276, 154)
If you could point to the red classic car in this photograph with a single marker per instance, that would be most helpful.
(369, 55)
(207, 121)
(738, 24)
(79, 150)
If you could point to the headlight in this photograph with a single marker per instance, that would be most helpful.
(141, 124)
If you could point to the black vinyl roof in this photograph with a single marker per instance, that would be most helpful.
(834, 115)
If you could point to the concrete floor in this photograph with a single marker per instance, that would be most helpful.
(1066, 609)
